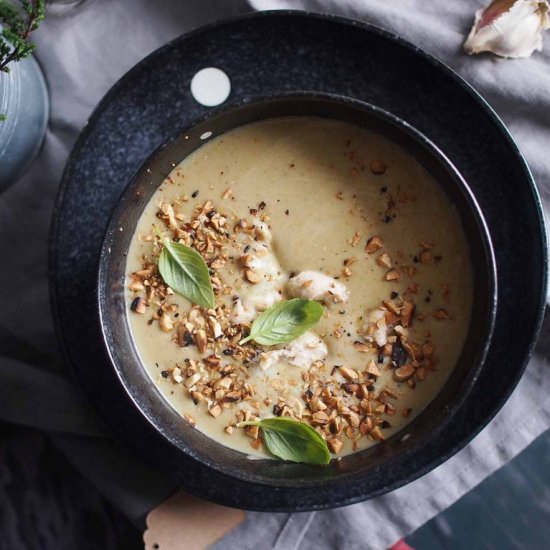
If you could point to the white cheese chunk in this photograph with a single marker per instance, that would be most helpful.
(313, 285)
(302, 352)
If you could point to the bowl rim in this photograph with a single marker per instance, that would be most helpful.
(402, 126)
(57, 270)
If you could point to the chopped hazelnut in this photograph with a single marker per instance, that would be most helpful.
(252, 276)
(384, 260)
(200, 340)
(215, 410)
(319, 418)
(407, 314)
(441, 314)
(349, 374)
(378, 167)
(366, 425)
(403, 373)
(139, 306)
(373, 244)
(335, 445)
(362, 347)
(166, 323)
(372, 368)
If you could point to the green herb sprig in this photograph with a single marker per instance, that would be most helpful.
(18, 24)
(284, 322)
(291, 440)
(185, 271)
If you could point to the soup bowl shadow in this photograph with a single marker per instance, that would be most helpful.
(270, 484)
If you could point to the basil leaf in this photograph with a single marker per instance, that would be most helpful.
(292, 440)
(186, 272)
(284, 322)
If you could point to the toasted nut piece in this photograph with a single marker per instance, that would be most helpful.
(349, 374)
(366, 425)
(365, 406)
(403, 332)
(392, 306)
(166, 323)
(335, 445)
(441, 314)
(336, 425)
(353, 419)
(227, 193)
(319, 418)
(223, 383)
(229, 430)
(406, 412)
(377, 434)
(391, 318)
(350, 432)
(215, 327)
(372, 368)
(403, 373)
(197, 397)
(362, 347)
(373, 244)
(407, 314)
(200, 340)
(212, 360)
(215, 410)
(350, 387)
(363, 391)
(136, 286)
(247, 260)
(252, 276)
(378, 167)
(296, 405)
(317, 405)
(392, 275)
(233, 396)
(252, 431)
(192, 380)
(256, 444)
(176, 371)
(384, 260)
(425, 257)
(139, 306)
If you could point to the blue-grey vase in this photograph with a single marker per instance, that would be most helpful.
(24, 100)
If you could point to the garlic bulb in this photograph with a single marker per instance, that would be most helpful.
(509, 28)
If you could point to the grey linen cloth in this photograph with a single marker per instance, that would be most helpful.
(76, 48)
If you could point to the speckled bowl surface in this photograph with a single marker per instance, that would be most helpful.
(275, 54)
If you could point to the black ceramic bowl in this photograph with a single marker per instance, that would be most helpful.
(364, 474)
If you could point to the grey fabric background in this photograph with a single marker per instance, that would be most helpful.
(83, 50)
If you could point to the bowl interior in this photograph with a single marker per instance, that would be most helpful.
(395, 455)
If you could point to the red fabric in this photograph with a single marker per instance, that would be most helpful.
(401, 545)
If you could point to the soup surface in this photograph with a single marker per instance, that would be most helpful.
(318, 209)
